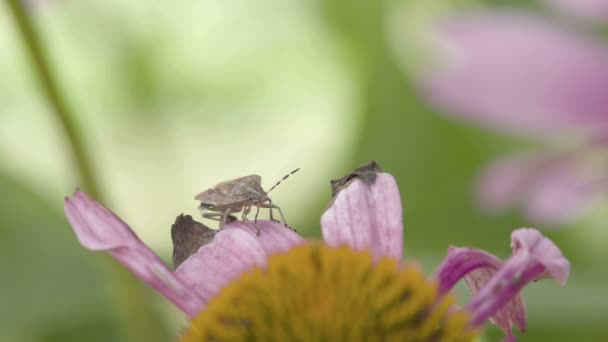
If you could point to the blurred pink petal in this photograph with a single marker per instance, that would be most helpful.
(589, 9)
(99, 229)
(477, 267)
(234, 250)
(552, 188)
(519, 74)
(562, 195)
(505, 181)
(366, 215)
(534, 257)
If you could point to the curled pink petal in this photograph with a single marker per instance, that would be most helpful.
(520, 74)
(235, 249)
(587, 9)
(366, 215)
(477, 267)
(534, 257)
(461, 261)
(544, 251)
(99, 229)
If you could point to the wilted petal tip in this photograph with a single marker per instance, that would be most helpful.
(544, 251)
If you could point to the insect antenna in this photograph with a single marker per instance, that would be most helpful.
(282, 179)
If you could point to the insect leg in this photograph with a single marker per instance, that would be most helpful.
(257, 212)
(222, 216)
(212, 215)
(270, 210)
(273, 206)
(259, 205)
(225, 215)
(246, 211)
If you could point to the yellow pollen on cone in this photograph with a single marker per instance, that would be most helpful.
(318, 293)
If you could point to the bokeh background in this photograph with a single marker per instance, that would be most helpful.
(172, 97)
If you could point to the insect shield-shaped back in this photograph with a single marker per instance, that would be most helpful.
(233, 194)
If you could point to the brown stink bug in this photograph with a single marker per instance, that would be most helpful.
(233, 196)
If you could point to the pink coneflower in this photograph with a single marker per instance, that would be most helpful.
(276, 286)
(527, 76)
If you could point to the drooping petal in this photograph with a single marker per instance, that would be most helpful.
(99, 229)
(552, 188)
(512, 313)
(461, 261)
(366, 215)
(234, 249)
(534, 257)
(477, 267)
(588, 9)
(519, 74)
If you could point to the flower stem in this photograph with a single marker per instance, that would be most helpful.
(59, 107)
(141, 321)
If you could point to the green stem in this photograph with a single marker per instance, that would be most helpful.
(62, 112)
(141, 322)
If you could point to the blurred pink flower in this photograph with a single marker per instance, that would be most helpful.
(364, 215)
(525, 76)
(588, 9)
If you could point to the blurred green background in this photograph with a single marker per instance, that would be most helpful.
(172, 97)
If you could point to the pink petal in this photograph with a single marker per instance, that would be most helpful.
(589, 9)
(553, 188)
(274, 237)
(100, 230)
(477, 267)
(519, 74)
(512, 313)
(235, 249)
(544, 251)
(366, 216)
